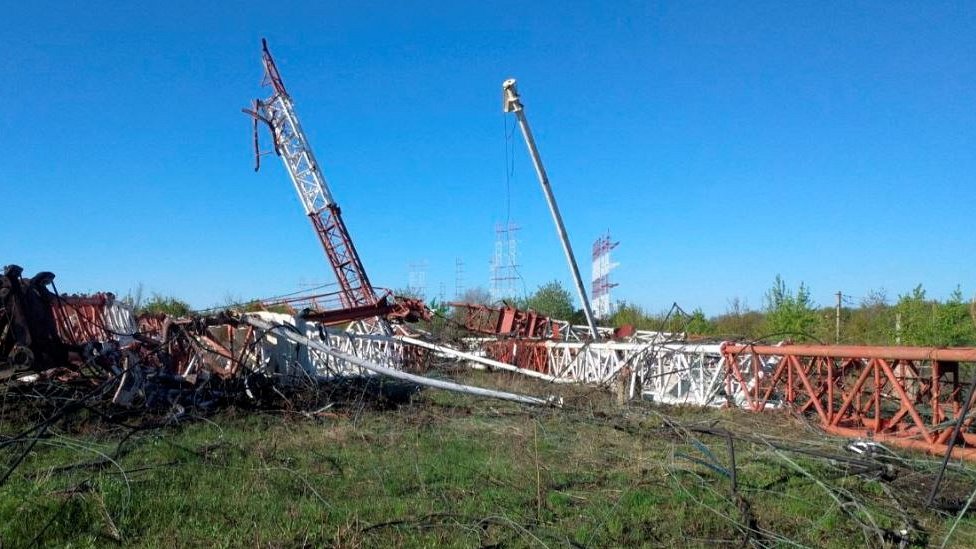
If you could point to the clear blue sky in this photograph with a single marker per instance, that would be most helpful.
(721, 142)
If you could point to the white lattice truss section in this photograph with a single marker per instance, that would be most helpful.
(363, 339)
(672, 373)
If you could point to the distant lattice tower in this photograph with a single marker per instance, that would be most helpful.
(418, 279)
(600, 291)
(504, 263)
(458, 278)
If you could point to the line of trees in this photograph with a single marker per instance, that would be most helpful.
(912, 318)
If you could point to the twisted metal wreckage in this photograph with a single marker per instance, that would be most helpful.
(909, 396)
(97, 339)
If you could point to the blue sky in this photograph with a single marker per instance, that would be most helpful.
(722, 143)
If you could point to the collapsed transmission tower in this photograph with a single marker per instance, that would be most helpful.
(356, 295)
(290, 143)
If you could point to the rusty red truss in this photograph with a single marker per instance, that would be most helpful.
(506, 320)
(528, 355)
(907, 396)
(327, 309)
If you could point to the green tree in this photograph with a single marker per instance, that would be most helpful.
(552, 300)
(953, 325)
(788, 314)
(927, 322)
(870, 323)
(630, 314)
(699, 325)
(159, 304)
(914, 318)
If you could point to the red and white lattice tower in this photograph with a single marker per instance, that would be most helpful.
(290, 143)
(600, 291)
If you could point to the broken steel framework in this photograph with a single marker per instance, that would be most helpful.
(670, 372)
(378, 368)
(158, 360)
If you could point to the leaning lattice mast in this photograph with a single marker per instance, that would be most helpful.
(278, 112)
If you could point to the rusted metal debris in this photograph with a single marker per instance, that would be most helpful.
(327, 308)
(506, 321)
(94, 339)
(40, 329)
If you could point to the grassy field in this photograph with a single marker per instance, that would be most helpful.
(450, 470)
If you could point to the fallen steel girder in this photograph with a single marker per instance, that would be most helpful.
(907, 396)
(328, 309)
(388, 371)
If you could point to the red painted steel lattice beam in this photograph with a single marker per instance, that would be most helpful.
(906, 396)
(526, 354)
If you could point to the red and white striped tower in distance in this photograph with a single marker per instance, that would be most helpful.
(600, 291)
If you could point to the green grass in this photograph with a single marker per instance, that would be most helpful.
(449, 470)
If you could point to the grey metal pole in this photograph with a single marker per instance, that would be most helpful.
(837, 319)
(512, 103)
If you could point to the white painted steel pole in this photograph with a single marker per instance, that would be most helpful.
(512, 103)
